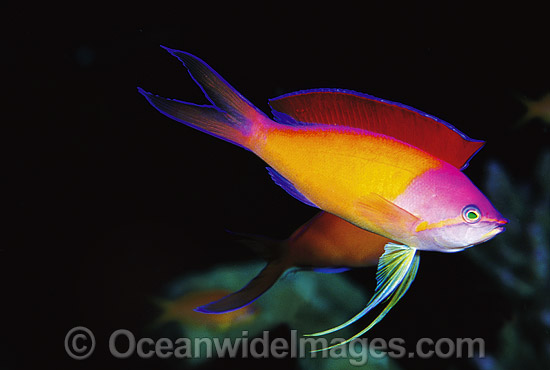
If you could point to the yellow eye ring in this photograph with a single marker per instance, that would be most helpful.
(471, 214)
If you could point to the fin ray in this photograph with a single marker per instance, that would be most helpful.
(394, 220)
(230, 117)
(366, 112)
(205, 118)
(395, 266)
(394, 298)
(217, 90)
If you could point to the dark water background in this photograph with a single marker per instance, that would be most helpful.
(108, 201)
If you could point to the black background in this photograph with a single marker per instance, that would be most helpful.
(107, 200)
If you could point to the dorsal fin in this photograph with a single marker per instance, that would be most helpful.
(353, 109)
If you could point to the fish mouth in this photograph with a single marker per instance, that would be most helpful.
(492, 233)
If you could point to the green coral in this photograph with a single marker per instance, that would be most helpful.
(305, 301)
(520, 261)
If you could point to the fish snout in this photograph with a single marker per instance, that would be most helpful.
(502, 221)
(496, 218)
(496, 221)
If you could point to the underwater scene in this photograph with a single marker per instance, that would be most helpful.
(278, 188)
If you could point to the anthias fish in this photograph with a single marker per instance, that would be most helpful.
(326, 243)
(380, 165)
(181, 310)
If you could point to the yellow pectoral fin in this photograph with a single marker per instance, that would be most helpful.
(394, 221)
(396, 271)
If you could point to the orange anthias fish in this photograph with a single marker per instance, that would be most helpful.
(382, 166)
(326, 243)
(182, 310)
(536, 109)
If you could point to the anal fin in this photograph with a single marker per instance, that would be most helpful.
(331, 270)
(288, 187)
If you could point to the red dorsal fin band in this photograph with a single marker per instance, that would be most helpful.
(366, 112)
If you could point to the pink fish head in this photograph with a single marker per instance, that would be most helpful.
(454, 213)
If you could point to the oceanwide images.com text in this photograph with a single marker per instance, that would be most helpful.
(80, 344)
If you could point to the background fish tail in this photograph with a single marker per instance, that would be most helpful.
(273, 251)
(267, 248)
(252, 291)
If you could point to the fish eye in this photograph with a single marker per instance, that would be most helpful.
(471, 214)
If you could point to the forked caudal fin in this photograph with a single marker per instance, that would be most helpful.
(396, 271)
(230, 116)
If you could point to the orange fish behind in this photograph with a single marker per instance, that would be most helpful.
(326, 243)
(327, 240)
